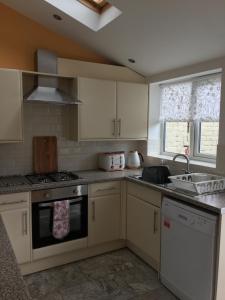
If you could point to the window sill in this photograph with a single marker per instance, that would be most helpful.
(181, 160)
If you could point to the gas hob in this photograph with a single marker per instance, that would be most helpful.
(19, 180)
(51, 177)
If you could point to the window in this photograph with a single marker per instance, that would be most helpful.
(189, 115)
(208, 138)
(177, 136)
(95, 14)
(98, 6)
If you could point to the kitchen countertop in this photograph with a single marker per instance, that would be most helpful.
(12, 285)
(85, 177)
(212, 202)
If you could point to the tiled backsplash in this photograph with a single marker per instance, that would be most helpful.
(44, 119)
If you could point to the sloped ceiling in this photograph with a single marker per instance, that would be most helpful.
(159, 34)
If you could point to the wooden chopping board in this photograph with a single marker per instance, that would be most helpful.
(45, 159)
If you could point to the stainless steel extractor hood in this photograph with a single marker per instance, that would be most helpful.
(47, 88)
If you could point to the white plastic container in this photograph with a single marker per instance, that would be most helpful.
(199, 183)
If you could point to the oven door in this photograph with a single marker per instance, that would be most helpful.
(42, 222)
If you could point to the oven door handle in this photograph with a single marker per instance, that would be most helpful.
(45, 205)
(51, 204)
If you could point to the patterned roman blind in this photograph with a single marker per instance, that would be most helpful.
(194, 99)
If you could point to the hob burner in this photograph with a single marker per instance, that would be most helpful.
(51, 177)
(62, 176)
(39, 178)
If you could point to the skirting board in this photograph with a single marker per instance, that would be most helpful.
(69, 257)
(65, 258)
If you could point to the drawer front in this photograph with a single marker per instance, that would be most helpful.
(145, 193)
(13, 201)
(104, 188)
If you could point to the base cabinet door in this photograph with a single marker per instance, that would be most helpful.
(104, 219)
(143, 226)
(11, 128)
(17, 226)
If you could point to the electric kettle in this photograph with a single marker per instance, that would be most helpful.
(134, 160)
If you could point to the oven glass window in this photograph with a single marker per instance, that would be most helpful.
(45, 222)
(75, 217)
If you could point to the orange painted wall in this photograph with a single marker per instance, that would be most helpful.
(20, 37)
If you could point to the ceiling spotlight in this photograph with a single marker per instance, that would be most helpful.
(57, 17)
(131, 60)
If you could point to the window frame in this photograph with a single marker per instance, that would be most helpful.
(195, 134)
(195, 128)
(163, 140)
(197, 144)
(96, 7)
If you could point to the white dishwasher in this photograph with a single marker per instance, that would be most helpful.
(188, 242)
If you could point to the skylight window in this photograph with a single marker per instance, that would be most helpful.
(83, 11)
(99, 2)
(98, 6)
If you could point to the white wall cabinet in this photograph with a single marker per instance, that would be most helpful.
(98, 109)
(112, 110)
(15, 213)
(143, 221)
(11, 120)
(104, 213)
(132, 110)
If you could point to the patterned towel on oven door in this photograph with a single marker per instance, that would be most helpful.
(61, 219)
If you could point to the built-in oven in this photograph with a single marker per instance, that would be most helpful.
(43, 214)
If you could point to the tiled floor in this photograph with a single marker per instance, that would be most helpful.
(118, 275)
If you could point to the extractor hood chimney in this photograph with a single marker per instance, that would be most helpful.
(47, 89)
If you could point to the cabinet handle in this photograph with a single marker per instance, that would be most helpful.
(93, 210)
(119, 127)
(114, 127)
(105, 190)
(14, 202)
(24, 223)
(155, 227)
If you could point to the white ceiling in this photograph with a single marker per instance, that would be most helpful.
(159, 34)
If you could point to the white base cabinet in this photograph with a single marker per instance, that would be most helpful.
(15, 213)
(143, 226)
(115, 213)
(104, 213)
(143, 221)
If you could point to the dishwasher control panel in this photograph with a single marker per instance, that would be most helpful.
(174, 211)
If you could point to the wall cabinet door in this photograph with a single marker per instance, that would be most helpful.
(97, 113)
(132, 110)
(104, 219)
(143, 226)
(17, 226)
(11, 129)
